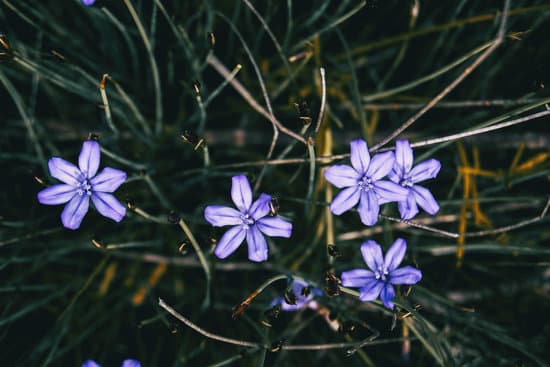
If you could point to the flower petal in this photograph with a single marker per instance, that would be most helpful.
(403, 156)
(388, 192)
(359, 156)
(74, 211)
(220, 216)
(395, 175)
(257, 246)
(230, 241)
(275, 227)
(425, 170)
(108, 206)
(372, 254)
(425, 199)
(241, 193)
(260, 208)
(371, 290)
(131, 363)
(380, 165)
(368, 208)
(89, 158)
(395, 254)
(405, 275)
(56, 194)
(341, 175)
(387, 295)
(356, 278)
(408, 208)
(108, 180)
(345, 200)
(90, 363)
(64, 171)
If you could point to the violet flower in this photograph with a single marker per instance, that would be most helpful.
(250, 221)
(383, 273)
(408, 176)
(88, 2)
(304, 297)
(363, 183)
(125, 363)
(80, 184)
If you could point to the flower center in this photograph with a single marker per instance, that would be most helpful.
(247, 220)
(381, 274)
(84, 188)
(365, 183)
(406, 182)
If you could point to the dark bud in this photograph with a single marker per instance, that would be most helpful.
(303, 110)
(173, 218)
(4, 43)
(189, 137)
(183, 247)
(331, 285)
(130, 203)
(347, 327)
(273, 206)
(197, 88)
(92, 136)
(332, 316)
(306, 291)
(271, 315)
(58, 55)
(98, 244)
(39, 179)
(276, 346)
(239, 310)
(350, 352)
(211, 39)
(290, 297)
(333, 251)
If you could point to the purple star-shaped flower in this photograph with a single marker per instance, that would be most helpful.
(304, 298)
(363, 183)
(408, 176)
(383, 273)
(80, 184)
(250, 222)
(125, 363)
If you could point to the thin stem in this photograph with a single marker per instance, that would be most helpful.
(311, 180)
(480, 131)
(187, 322)
(451, 104)
(202, 259)
(106, 106)
(497, 42)
(154, 68)
(427, 78)
(323, 99)
(222, 70)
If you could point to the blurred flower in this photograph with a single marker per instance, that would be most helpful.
(125, 363)
(363, 183)
(303, 295)
(88, 2)
(80, 184)
(249, 221)
(408, 176)
(383, 273)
